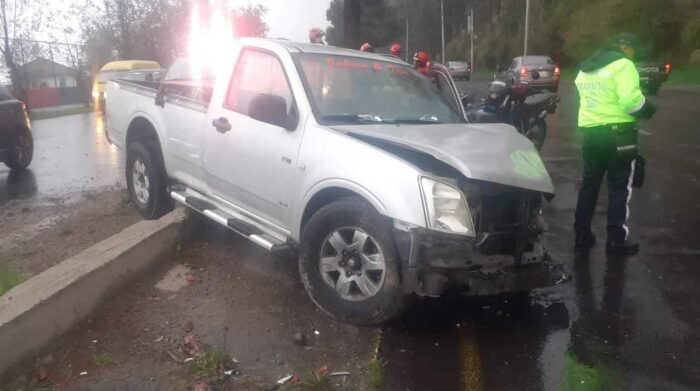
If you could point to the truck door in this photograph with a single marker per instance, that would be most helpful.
(252, 163)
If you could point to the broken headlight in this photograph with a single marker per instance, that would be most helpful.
(446, 208)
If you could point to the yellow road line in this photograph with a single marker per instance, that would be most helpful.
(470, 359)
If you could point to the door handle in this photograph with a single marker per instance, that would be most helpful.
(221, 124)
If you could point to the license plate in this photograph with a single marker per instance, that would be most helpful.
(544, 74)
(649, 69)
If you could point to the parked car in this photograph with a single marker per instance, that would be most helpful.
(354, 160)
(520, 72)
(459, 70)
(652, 75)
(16, 142)
(112, 71)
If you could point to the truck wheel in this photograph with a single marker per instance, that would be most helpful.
(349, 264)
(145, 178)
(21, 150)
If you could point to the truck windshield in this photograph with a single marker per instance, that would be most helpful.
(351, 90)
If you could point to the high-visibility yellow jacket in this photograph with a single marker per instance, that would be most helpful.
(609, 94)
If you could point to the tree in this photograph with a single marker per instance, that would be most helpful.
(248, 21)
(17, 21)
(378, 24)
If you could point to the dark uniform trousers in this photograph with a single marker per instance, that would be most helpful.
(610, 149)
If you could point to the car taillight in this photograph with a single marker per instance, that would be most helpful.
(557, 71)
(24, 105)
(523, 72)
(668, 68)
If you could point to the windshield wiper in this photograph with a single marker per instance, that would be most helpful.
(426, 119)
(353, 118)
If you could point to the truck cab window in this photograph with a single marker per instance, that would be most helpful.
(256, 73)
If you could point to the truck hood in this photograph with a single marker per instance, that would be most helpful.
(488, 152)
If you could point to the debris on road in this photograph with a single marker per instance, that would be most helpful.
(321, 370)
(191, 346)
(316, 332)
(300, 338)
(188, 359)
(159, 339)
(189, 326)
(83, 373)
(291, 379)
(334, 374)
(43, 374)
(191, 279)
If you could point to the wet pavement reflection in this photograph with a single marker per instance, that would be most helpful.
(71, 156)
(621, 324)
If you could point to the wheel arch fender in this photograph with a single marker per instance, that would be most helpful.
(142, 128)
(325, 192)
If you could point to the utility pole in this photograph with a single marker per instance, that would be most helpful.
(471, 38)
(405, 49)
(442, 17)
(527, 24)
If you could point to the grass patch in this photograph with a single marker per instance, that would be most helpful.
(45, 114)
(8, 279)
(376, 372)
(689, 74)
(212, 362)
(102, 360)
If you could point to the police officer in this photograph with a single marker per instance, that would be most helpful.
(611, 103)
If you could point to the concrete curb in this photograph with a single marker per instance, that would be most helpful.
(42, 308)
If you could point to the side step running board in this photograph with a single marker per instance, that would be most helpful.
(233, 221)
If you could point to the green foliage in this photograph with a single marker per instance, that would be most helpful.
(689, 74)
(376, 372)
(379, 24)
(8, 279)
(212, 362)
(571, 30)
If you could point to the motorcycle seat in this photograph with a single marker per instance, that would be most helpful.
(538, 99)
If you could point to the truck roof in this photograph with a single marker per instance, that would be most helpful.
(302, 47)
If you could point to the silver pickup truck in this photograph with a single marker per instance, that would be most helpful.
(354, 161)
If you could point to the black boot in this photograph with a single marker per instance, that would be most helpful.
(621, 248)
(584, 241)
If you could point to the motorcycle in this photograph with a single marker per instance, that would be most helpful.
(524, 108)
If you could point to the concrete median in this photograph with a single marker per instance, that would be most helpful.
(42, 308)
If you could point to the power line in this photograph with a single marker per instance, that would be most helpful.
(50, 42)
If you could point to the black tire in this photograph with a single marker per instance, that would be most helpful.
(157, 202)
(388, 301)
(21, 150)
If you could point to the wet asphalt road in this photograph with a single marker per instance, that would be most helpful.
(71, 157)
(620, 324)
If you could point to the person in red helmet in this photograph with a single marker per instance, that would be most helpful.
(395, 50)
(316, 35)
(367, 47)
(422, 63)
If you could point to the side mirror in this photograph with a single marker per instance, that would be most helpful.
(272, 109)
(535, 75)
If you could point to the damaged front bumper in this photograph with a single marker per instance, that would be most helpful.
(434, 261)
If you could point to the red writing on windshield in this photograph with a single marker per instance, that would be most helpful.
(333, 63)
(397, 70)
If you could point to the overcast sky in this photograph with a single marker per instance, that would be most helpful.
(291, 19)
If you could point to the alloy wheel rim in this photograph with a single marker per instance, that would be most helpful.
(141, 184)
(352, 263)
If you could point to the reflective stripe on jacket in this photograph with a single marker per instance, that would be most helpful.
(609, 95)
